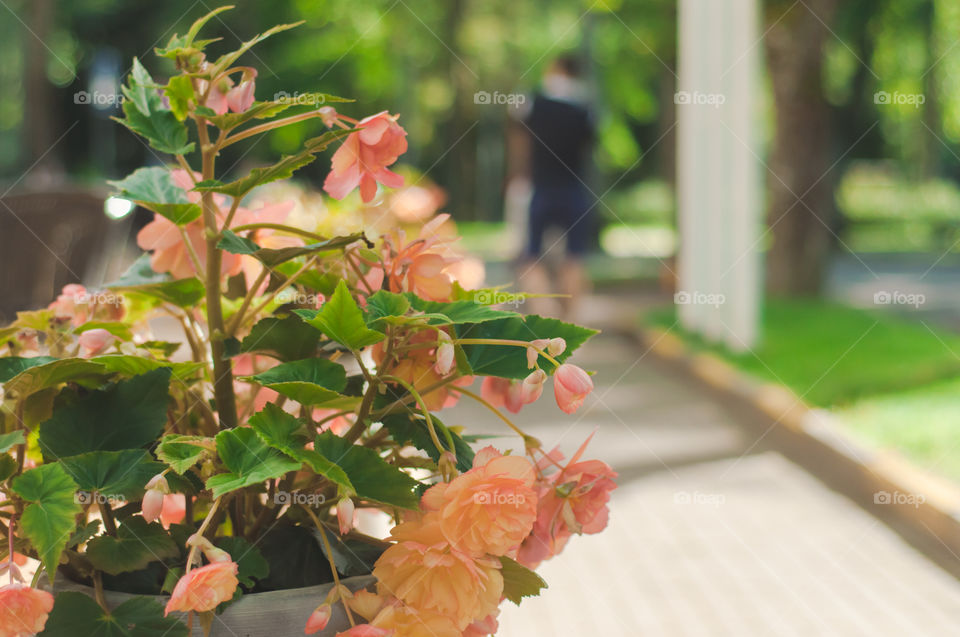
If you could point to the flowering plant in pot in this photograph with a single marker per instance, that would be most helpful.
(295, 410)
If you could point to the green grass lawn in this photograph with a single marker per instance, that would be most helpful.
(920, 423)
(894, 384)
(833, 355)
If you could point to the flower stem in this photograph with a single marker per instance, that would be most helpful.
(263, 128)
(426, 415)
(280, 227)
(504, 341)
(203, 529)
(222, 369)
(333, 566)
(483, 401)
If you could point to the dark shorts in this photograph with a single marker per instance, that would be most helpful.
(569, 208)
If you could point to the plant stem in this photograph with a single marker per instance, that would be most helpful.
(483, 401)
(247, 300)
(426, 415)
(107, 514)
(333, 566)
(263, 128)
(280, 227)
(203, 529)
(222, 369)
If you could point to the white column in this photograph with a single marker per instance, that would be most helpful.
(718, 177)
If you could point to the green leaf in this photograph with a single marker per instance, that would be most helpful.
(235, 244)
(115, 474)
(382, 304)
(182, 452)
(49, 520)
(127, 415)
(457, 312)
(7, 441)
(77, 614)
(184, 45)
(8, 467)
(154, 189)
(284, 432)
(137, 544)
(409, 429)
(372, 477)
(226, 60)
(179, 92)
(145, 115)
(10, 366)
(519, 581)
(340, 319)
(282, 169)
(52, 374)
(288, 339)
(130, 365)
(140, 277)
(311, 381)
(251, 564)
(249, 460)
(510, 361)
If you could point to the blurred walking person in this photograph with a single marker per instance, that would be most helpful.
(553, 144)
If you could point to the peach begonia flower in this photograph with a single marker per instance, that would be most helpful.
(95, 341)
(363, 158)
(491, 508)
(419, 368)
(224, 96)
(429, 575)
(503, 392)
(532, 386)
(365, 630)
(204, 588)
(574, 500)
(409, 622)
(570, 386)
(23, 610)
(80, 305)
(484, 627)
(170, 253)
(420, 265)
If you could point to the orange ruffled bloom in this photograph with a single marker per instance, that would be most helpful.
(434, 577)
(408, 622)
(491, 508)
(204, 588)
(23, 610)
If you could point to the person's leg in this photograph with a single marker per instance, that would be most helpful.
(574, 282)
(532, 274)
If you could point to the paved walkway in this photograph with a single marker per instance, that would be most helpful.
(706, 537)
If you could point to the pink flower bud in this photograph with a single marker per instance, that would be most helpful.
(445, 355)
(533, 352)
(571, 385)
(532, 386)
(240, 97)
(152, 505)
(93, 342)
(159, 483)
(318, 619)
(345, 510)
(556, 346)
(329, 116)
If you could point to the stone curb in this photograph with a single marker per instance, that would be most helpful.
(883, 483)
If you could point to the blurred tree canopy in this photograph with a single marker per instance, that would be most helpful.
(427, 59)
(423, 59)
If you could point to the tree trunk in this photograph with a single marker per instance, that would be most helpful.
(801, 212)
(39, 130)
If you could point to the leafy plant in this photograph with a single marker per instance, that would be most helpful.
(305, 385)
